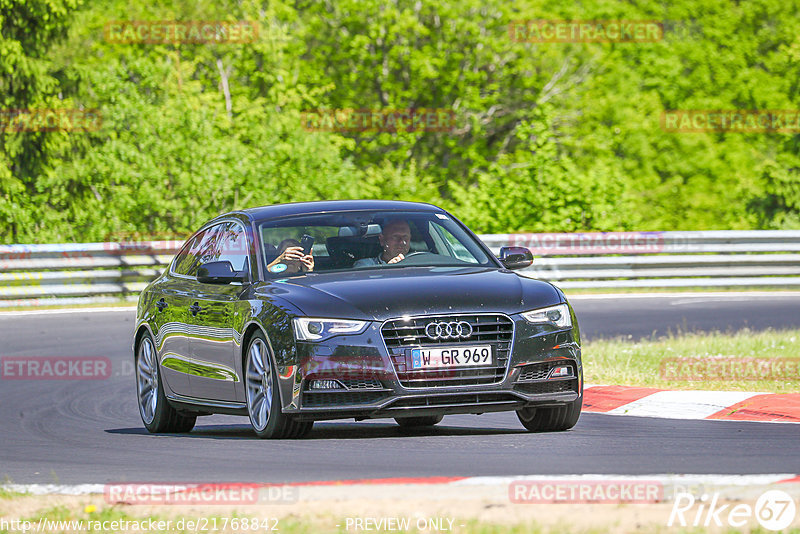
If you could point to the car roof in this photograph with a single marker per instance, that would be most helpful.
(327, 206)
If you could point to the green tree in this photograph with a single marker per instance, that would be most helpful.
(29, 79)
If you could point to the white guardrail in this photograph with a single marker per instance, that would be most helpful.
(57, 274)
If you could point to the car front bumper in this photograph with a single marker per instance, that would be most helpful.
(370, 378)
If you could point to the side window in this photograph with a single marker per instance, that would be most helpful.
(233, 247)
(186, 257)
(208, 247)
(449, 245)
(202, 249)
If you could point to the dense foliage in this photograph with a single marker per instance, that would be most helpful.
(547, 136)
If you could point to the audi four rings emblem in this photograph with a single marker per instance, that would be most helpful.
(451, 330)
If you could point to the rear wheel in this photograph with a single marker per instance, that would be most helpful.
(263, 397)
(157, 414)
(427, 420)
(551, 418)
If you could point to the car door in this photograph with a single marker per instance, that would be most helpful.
(215, 339)
(171, 320)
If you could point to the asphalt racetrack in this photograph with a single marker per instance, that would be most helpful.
(89, 431)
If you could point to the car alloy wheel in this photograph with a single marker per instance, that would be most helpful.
(147, 380)
(259, 385)
(157, 414)
(263, 398)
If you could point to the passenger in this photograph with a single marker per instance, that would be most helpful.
(291, 259)
(395, 240)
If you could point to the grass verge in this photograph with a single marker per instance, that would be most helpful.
(6, 495)
(644, 363)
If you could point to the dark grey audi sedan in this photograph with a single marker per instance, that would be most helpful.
(294, 313)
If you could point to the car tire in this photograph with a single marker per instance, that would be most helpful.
(263, 397)
(157, 414)
(426, 420)
(551, 418)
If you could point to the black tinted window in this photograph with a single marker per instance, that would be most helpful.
(358, 240)
(232, 246)
(205, 247)
(188, 254)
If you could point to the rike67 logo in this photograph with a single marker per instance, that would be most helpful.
(774, 510)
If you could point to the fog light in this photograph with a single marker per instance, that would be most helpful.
(325, 384)
(561, 372)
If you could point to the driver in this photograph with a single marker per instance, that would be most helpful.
(395, 240)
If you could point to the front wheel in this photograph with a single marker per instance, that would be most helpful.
(263, 398)
(157, 414)
(551, 419)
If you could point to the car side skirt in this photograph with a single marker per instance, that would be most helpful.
(206, 407)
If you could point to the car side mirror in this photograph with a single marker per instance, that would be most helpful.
(219, 272)
(515, 257)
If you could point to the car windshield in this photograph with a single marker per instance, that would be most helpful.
(367, 240)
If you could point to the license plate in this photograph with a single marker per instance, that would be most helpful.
(474, 355)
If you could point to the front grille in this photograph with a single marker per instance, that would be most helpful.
(551, 386)
(401, 335)
(337, 398)
(539, 371)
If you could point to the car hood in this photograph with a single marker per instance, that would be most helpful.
(380, 294)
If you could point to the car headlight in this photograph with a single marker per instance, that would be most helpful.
(312, 329)
(557, 316)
